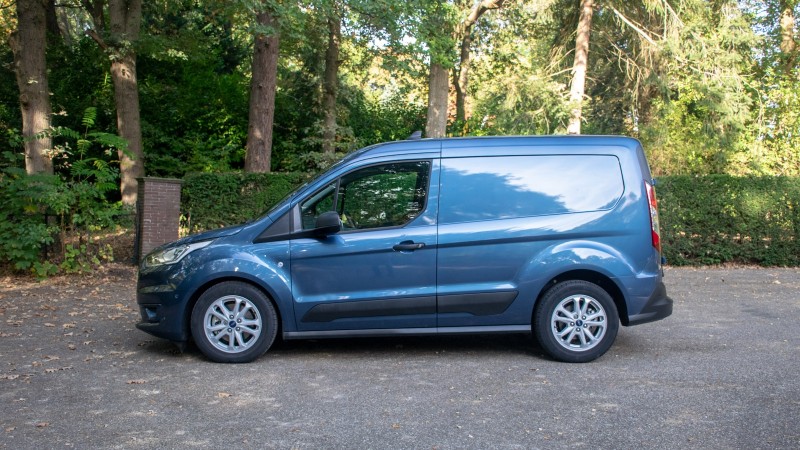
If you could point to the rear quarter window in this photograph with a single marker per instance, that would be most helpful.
(506, 187)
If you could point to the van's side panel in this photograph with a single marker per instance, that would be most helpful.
(492, 268)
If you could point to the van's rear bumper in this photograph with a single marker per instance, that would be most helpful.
(657, 307)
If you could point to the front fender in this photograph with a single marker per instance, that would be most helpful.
(265, 266)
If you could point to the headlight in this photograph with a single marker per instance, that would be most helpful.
(172, 255)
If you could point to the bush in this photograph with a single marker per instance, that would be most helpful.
(212, 200)
(39, 211)
(723, 219)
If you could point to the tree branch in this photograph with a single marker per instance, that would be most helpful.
(96, 37)
(476, 13)
(638, 30)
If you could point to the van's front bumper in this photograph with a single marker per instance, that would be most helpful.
(657, 307)
(162, 314)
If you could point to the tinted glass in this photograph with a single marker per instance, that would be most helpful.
(379, 196)
(317, 204)
(522, 186)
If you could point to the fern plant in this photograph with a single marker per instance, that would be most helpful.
(77, 197)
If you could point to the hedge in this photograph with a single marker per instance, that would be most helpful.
(213, 200)
(723, 219)
(704, 219)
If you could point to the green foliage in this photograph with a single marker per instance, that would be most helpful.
(47, 221)
(212, 200)
(777, 150)
(723, 219)
(380, 118)
(194, 113)
(23, 230)
(521, 103)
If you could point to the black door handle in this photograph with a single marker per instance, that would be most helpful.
(408, 246)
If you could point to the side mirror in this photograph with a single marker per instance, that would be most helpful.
(327, 223)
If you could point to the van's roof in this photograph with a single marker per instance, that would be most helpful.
(473, 143)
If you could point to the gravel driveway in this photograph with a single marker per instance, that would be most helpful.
(721, 372)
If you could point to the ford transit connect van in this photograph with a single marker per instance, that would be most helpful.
(555, 236)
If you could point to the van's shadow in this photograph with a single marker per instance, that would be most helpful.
(520, 344)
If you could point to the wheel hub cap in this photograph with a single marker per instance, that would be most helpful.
(578, 323)
(232, 324)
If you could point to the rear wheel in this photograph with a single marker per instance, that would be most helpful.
(576, 321)
(233, 322)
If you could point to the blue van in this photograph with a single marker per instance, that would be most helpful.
(555, 236)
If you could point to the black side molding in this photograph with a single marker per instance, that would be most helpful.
(481, 304)
(328, 312)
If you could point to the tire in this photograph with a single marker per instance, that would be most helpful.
(252, 327)
(575, 321)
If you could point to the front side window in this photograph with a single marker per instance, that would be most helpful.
(386, 195)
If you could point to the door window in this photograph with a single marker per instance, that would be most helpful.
(386, 195)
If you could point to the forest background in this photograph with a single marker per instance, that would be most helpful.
(95, 93)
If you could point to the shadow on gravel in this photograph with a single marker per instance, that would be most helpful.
(512, 344)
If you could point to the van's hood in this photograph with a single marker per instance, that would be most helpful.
(208, 235)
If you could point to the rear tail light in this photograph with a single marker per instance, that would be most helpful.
(654, 225)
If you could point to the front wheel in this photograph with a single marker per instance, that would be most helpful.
(233, 322)
(576, 321)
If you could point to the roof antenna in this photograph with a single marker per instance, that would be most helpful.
(415, 135)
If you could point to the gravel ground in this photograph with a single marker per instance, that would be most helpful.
(721, 372)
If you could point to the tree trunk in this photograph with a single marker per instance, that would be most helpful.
(789, 45)
(331, 85)
(578, 85)
(28, 44)
(438, 89)
(126, 99)
(262, 97)
(52, 19)
(462, 80)
(464, 33)
(125, 17)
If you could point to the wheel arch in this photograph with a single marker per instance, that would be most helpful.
(195, 296)
(592, 276)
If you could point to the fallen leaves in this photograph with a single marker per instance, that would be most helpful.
(61, 316)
